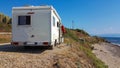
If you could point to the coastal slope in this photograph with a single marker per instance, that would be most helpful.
(75, 52)
(108, 53)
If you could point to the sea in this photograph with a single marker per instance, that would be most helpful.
(113, 40)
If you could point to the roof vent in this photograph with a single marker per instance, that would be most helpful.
(43, 5)
(28, 6)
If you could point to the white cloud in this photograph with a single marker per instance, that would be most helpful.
(107, 30)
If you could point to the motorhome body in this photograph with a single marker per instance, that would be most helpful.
(36, 26)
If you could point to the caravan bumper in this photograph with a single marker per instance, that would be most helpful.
(31, 43)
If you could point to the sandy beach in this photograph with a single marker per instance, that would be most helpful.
(108, 53)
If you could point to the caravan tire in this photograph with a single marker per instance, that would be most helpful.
(55, 43)
(51, 47)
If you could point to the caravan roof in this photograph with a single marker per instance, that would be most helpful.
(37, 8)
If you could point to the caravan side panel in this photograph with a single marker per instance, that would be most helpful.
(54, 27)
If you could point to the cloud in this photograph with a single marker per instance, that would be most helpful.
(107, 30)
(110, 30)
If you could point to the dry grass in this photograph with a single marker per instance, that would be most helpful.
(5, 38)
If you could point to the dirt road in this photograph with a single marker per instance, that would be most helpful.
(18, 57)
(3, 33)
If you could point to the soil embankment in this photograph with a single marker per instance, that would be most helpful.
(108, 53)
(62, 56)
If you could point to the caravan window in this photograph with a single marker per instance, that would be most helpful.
(53, 21)
(58, 25)
(24, 20)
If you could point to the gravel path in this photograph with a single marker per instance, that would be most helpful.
(18, 57)
(108, 53)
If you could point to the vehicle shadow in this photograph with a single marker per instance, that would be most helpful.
(21, 49)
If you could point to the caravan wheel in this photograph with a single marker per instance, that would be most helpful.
(51, 47)
(55, 43)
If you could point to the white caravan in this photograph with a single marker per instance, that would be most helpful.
(36, 26)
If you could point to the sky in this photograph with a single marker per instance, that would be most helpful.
(93, 16)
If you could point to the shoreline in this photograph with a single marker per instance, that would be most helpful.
(115, 44)
(108, 53)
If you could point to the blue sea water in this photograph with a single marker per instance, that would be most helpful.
(114, 40)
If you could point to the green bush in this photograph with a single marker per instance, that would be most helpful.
(82, 31)
(5, 23)
(71, 34)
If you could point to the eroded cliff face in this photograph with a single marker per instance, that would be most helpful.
(62, 56)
